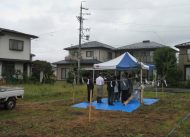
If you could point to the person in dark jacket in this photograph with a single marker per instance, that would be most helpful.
(116, 90)
(90, 87)
(110, 89)
(130, 86)
(124, 86)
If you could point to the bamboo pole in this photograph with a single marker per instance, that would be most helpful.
(73, 94)
(142, 93)
(127, 101)
(163, 89)
(156, 91)
(90, 106)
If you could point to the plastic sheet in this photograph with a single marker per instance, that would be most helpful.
(118, 106)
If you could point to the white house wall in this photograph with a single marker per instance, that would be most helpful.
(11, 54)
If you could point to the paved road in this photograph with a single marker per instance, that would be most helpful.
(176, 90)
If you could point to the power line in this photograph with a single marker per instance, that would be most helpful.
(141, 8)
(158, 25)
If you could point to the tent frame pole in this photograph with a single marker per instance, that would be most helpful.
(142, 89)
(93, 74)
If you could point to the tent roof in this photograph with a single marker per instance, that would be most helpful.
(124, 61)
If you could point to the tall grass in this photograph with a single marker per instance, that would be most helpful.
(63, 90)
(59, 90)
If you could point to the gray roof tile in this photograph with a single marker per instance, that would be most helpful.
(91, 44)
(186, 44)
(142, 45)
(84, 61)
(16, 32)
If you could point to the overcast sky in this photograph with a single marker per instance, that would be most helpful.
(114, 22)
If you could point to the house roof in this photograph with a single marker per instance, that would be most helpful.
(84, 61)
(3, 30)
(14, 60)
(142, 45)
(186, 44)
(91, 44)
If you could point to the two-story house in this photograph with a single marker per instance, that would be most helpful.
(15, 52)
(143, 51)
(184, 59)
(91, 53)
(95, 52)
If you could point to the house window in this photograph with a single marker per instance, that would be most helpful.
(75, 54)
(64, 73)
(109, 55)
(188, 54)
(151, 56)
(89, 53)
(17, 45)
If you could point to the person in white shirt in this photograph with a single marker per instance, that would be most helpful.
(99, 85)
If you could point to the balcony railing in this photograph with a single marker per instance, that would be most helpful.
(145, 59)
(70, 57)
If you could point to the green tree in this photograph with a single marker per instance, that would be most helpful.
(165, 61)
(37, 67)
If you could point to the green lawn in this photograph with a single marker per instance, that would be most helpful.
(45, 112)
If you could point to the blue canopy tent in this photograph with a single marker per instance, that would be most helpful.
(123, 62)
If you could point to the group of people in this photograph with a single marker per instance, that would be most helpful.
(119, 89)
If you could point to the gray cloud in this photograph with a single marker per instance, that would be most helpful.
(116, 23)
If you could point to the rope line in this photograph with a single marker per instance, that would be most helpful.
(178, 124)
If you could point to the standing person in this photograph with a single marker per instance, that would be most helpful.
(90, 87)
(135, 93)
(124, 85)
(130, 86)
(110, 88)
(119, 88)
(116, 90)
(99, 85)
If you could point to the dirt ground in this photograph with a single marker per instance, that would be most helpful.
(58, 119)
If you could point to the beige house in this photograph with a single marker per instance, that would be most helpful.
(15, 52)
(96, 52)
(91, 53)
(184, 59)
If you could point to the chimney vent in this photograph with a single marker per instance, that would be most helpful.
(146, 41)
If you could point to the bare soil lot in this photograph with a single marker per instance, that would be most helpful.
(47, 118)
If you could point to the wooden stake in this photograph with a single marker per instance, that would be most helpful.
(73, 94)
(156, 92)
(129, 99)
(162, 89)
(142, 92)
(90, 106)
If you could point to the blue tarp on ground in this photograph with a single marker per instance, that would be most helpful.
(118, 106)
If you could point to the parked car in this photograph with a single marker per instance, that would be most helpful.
(9, 95)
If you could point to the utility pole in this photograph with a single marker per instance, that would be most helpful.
(81, 35)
